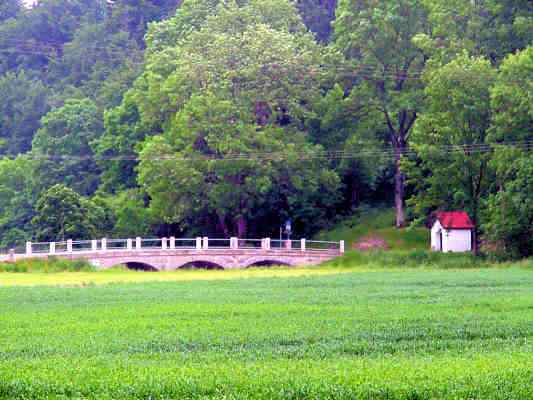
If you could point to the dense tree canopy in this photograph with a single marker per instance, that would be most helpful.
(61, 214)
(379, 37)
(62, 147)
(23, 102)
(448, 134)
(242, 84)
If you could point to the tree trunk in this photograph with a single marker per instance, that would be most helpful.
(223, 225)
(354, 194)
(399, 185)
(241, 227)
(475, 241)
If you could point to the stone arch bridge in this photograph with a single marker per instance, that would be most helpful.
(171, 253)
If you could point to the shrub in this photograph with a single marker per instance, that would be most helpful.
(409, 259)
(51, 264)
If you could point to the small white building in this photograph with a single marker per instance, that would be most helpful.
(452, 232)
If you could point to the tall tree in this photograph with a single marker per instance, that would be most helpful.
(318, 16)
(458, 114)
(63, 149)
(511, 99)
(242, 83)
(509, 214)
(23, 102)
(489, 28)
(17, 196)
(378, 36)
(36, 37)
(61, 213)
(133, 16)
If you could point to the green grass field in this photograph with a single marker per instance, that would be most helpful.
(316, 333)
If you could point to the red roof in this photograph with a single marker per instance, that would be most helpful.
(454, 220)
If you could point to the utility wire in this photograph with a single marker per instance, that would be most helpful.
(445, 150)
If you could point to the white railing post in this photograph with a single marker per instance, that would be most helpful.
(129, 244)
(341, 246)
(234, 243)
(288, 244)
(198, 243)
(267, 244)
(303, 245)
(164, 243)
(11, 256)
(138, 243)
(206, 243)
(104, 244)
(52, 247)
(172, 242)
(28, 249)
(94, 245)
(69, 245)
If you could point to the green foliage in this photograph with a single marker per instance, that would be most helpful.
(212, 80)
(488, 28)
(458, 114)
(61, 213)
(379, 37)
(510, 210)
(511, 99)
(132, 216)
(375, 223)
(63, 146)
(229, 192)
(46, 265)
(16, 200)
(100, 65)
(23, 101)
(208, 110)
(380, 334)
(123, 133)
(421, 258)
(318, 16)
(133, 16)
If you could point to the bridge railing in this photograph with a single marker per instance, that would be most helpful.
(210, 243)
(77, 245)
(199, 243)
(287, 245)
(324, 245)
(250, 243)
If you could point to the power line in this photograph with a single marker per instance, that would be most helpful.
(467, 149)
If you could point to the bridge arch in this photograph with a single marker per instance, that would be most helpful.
(139, 266)
(268, 262)
(200, 264)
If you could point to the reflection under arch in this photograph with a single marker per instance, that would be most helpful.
(139, 266)
(268, 263)
(201, 265)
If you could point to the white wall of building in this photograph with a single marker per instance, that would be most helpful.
(454, 240)
(435, 236)
(457, 240)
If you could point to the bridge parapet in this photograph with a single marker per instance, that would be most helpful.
(169, 253)
(172, 243)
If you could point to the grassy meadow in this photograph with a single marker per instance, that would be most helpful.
(332, 332)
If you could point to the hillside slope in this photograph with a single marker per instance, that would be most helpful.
(374, 228)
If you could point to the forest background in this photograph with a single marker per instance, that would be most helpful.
(165, 117)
